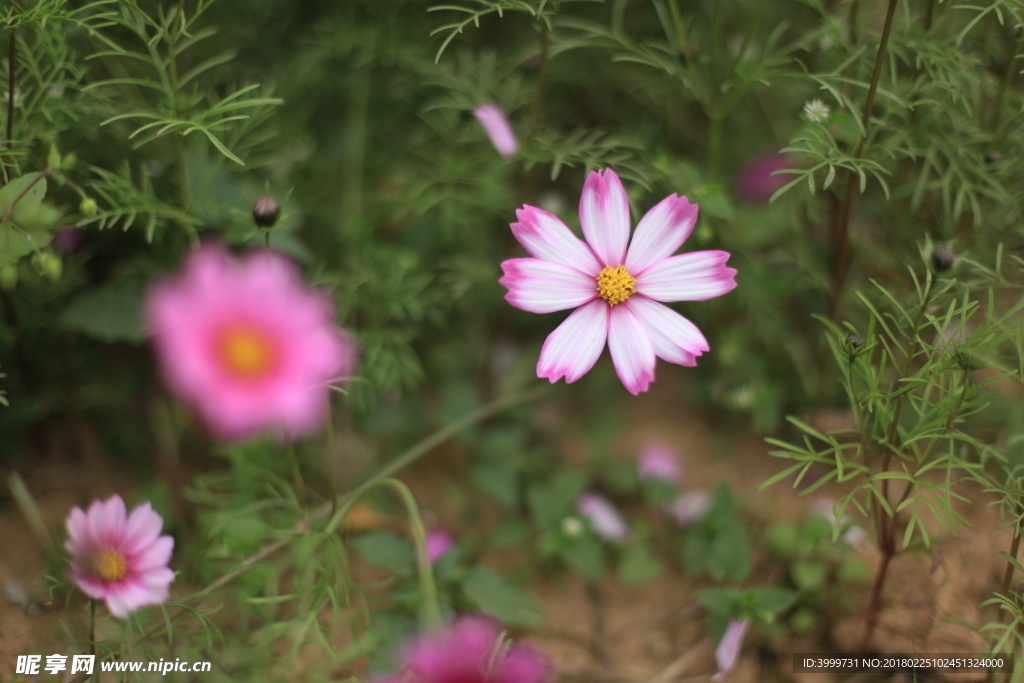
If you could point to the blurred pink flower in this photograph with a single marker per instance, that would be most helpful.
(688, 508)
(439, 541)
(120, 558)
(614, 290)
(728, 651)
(493, 119)
(472, 650)
(755, 182)
(658, 461)
(246, 343)
(68, 240)
(604, 519)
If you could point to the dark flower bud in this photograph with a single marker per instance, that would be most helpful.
(855, 340)
(266, 211)
(942, 259)
(993, 158)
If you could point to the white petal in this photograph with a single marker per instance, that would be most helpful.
(632, 350)
(547, 238)
(675, 338)
(575, 345)
(544, 287)
(604, 215)
(661, 232)
(696, 276)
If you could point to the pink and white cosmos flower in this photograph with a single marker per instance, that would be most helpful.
(614, 289)
(246, 343)
(120, 558)
(472, 650)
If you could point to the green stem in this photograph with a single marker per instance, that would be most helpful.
(431, 612)
(844, 221)
(716, 29)
(92, 638)
(12, 80)
(300, 484)
(750, 33)
(542, 72)
(1008, 77)
(703, 94)
(715, 147)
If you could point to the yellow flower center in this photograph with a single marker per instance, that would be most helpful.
(111, 565)
(615, 285)
(246, 353)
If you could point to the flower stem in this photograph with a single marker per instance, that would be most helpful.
(92, 637)
(1011, 73)
(842, 238)
(12, 76)
(300, 484)
(884, 522)
(542, 72)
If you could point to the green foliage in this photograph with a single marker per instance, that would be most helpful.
(718, 545)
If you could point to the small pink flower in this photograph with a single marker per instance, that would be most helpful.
(688, 508)
(492, 118)
(658, 461)
(728, 651)
(439, 541)
(472, 650)
(604, 519)
(614, 290)
(246, 343)
(755, 182)
(120, 558)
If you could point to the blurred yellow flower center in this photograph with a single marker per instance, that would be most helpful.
(615, 285)
(246, 353)
(111, 565)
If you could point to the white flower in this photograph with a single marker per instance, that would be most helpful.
(816, 110)
(572, 527)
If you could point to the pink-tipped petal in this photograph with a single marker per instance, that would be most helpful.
(676, 339)
(604, 215)
(697, 276)
(544, 287)
(632, 350)
(604, 518)
(661, 232)
(546, 237)
(106, 520)
(728, 651)
(141, 530)
(498, 129)
(575, 345)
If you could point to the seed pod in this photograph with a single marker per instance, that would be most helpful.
(942, 259)
(266, 211)
(88, 207)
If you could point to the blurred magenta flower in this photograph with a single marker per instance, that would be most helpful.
(755, 182)
(498, 129)
(658, 461)
(604, 519)
(472, 650)
(614, 291)
(246, 343)
(439, 541)
(728, 651)
(68, 240)
(688, 508)
(120, 558)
